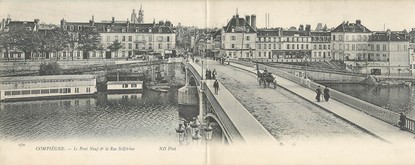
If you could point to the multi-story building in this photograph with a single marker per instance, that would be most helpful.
(136, 39)
(321, 46)
(238, 37)
(386, 53)
(11, 52)
(283, 44)
(349, 41)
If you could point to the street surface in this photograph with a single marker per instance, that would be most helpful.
(289, 118)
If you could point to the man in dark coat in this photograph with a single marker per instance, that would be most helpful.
(402, 121)
(216, 86)
(326, 93)
(318, 93)
(214, 74)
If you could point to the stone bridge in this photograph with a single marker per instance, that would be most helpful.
(237, 125)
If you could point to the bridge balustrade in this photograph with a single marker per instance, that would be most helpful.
(383, 114)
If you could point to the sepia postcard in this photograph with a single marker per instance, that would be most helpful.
(207, 82)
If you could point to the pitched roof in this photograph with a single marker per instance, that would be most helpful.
(388, 36)
(268, 32)
(293, 33)
(320, 33)
(351, 28)
(239, 25)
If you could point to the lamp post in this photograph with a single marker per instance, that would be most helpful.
(196, 128)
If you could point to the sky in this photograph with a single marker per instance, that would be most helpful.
(374, 14)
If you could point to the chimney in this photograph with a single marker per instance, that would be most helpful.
(307, 28)
(248, 19)
(359, 22)
(91, 22)
(279, 31)
(128, 22)
(113, 20)
(168, 23)
(301, 28)
(253, 21)
(63, 22)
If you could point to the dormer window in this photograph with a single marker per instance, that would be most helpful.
(149, 30)
(65, 27)
(136, 29)
(123, 29)
(160, 30)
(79, 27)
(71, 27)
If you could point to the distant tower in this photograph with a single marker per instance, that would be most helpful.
(134, 17)
(140, 18)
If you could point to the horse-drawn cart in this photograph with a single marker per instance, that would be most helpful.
(266, 79)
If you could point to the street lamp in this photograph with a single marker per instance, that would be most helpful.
(180, 132)
(195, 131)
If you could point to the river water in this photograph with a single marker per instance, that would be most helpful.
(143, 116)
(394, 98)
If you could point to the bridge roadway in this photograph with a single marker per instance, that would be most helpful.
(372, 125)
(235, 118)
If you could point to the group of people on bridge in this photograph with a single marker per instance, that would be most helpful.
(210, 74)
(326, 94)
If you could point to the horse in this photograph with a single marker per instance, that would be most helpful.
(266, 79)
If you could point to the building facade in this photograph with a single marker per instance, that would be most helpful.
(321, 45)
(136, 39)
(238, 38)
(349, 40)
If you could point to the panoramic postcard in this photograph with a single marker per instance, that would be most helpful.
(207, 82)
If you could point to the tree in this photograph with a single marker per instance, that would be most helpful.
(115, 46)
(28, 41)
(60, 40)
(89, 40)
(49, 68)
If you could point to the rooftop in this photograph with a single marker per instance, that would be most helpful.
(351, 27)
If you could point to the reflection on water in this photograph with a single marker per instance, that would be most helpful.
(394, 98)
(143, 116)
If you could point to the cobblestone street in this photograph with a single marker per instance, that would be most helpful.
(286, 116)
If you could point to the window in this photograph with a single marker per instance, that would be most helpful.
(160, 46)
(359, 37)
(76, 90)
(340, 47)
(26, 92)
(275, 46)
(353, 47)
(315, 47)
(288, 46)
(353, 38)
(233, 38)
(168, 38)
(233, 46)
(130, 38)
(302, 46)
(15, 92)
(319, 47)
(44, 91)
(384, 47)
(168, 45)
(130, 45)
(306, 46)
(334, 37)
(88, 89)
(35, 91)
(248, 38)
(378, 47)
(124, 85)
(123, 38)
(53, 91)
(133, 85)
(269, 46)
(324, 47)
(116, 37)
(160, 38)
(259, 54)
(247, 46)
(328, 46)
(7, 93)
(108, 38)
(340, 37)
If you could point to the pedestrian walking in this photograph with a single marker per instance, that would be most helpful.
(209, 74)
(402, 121)
(216, 86)
(214, 74)
(326, 93)
(318, 92)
